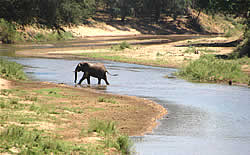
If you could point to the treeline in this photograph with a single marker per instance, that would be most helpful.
(47, 12)
(55, 13)
(58, 12)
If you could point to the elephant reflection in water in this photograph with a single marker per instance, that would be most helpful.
(96, 70)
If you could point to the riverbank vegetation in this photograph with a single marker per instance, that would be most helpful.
(11, 70)
(211, 69)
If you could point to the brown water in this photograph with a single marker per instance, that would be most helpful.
(203, 119)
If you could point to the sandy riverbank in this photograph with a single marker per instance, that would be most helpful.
(134, 116)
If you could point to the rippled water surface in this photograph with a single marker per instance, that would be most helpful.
(203, 119)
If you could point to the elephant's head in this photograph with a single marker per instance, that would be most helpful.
(82, 66)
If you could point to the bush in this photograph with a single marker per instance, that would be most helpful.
(54, 36)
(7, 32)
(124, 144)
(111, 134)
(102, 127)
(65, 36)
(11, 70)
(210, 69)
(244, 48)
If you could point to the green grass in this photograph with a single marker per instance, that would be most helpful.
(107, 100)
(121, 46)
(34, 141)
(102, 127)
(31, 98)
(108, 129)
(11, 104)
(11, 70)
(53, 36)
(51, 92)
(5, 92)
(210, 69)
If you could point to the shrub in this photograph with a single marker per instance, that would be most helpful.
(102, 127)
(244, 48)
(65, 36)
(210, 69)
(8, 32)
(11, 70)
(112, 136)
(124, 144)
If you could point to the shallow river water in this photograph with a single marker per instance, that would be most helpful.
(203, 119)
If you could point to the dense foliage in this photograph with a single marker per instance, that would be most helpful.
(49, 12)
(55, 12)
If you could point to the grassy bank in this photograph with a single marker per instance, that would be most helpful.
(37, 121)
(211, 69)
(45, 118)
(32, 120)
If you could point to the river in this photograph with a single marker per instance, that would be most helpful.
(203, 119)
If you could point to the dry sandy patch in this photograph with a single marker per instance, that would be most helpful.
(4, 84)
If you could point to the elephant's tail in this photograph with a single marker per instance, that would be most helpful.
(112, 74)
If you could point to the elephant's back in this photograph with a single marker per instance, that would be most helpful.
(98, 66)
(97, 70)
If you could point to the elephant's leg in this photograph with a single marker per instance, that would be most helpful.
(99, 81)
(88, 79)
(83, 77)
(105, 79)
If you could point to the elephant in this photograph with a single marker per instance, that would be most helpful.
(97, 70)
